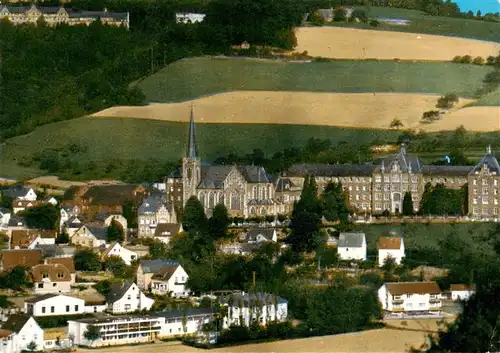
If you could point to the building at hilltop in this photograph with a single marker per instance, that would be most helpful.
(55, 15)
(380, 186)
(246, 190)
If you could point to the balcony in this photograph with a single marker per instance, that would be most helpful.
(398, 310)
(434, 300)
(398, 301)
(435, 308)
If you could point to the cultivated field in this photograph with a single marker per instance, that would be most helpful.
(382, 340)
(193, 78)
(361, 110)
(420, 22)
(352, 43)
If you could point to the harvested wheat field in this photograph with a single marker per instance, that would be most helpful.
(359, 110)
(351, 43)
(382, 340)
(55, 182)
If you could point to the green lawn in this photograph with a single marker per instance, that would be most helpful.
(422, 23)
(196, 77)
(107, 139)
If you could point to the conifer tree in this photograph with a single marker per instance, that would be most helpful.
(407, 204)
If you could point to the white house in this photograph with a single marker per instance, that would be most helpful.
(126, 297)
(189, 17)
(90, 237)
(147, 268)
(66, 213)
(54, 304)
(262, 308)
(352, 246)
(72, 225)
(25, 331)
(51, 278)
(132, 329)
(164, 232)
(171, 280)
(115, 249)
(461, 291)
(7, 341)
(20, 192)
(401, 297)
(391, 247)
(4, 217)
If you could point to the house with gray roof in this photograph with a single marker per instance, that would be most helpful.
(352, 246)
(126, 297)
(247, 308)
(148, 268)
(153, 211)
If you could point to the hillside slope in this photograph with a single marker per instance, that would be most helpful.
(358, 110)
(351, 43)
(196, 77)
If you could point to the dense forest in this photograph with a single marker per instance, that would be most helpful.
(53, 74)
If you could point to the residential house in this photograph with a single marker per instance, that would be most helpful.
(115, 249)
(20, 192)
(56, 338)
(461, 291)
(23, 257)
(250, 241)
(54, 305)
(31, 238)
(188, 17)
(164, 232)
(140, 249)
(184, 322)
(66, 213)
(96, 199)
(66, 261)
(261, 308)
(72, 225)
(170, 280)
(390, 247)
(5, 215)
(90, 236)
(352, 246)
(404, 297)
(126, 297)
(55, 15)
(26, 330)
(7, 341)
(108, 218)
(153, 211)
(50, 200)
(21, 205)
(95, 304)
(147, 268)
(117, 330)
(51, 278)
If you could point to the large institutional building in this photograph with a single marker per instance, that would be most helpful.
(372, 187)
(54, 15)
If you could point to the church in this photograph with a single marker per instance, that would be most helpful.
(246, 190)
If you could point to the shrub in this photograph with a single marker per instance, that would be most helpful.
(430, 116)
(339, 14)
(478, 61)
(466, 59)
(457, 59)
(374, 23)
(447, 101)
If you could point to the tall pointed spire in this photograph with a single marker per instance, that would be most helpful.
(191, 151)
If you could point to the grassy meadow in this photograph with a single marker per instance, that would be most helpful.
(197, 77)
(122, 138)
(422, 23)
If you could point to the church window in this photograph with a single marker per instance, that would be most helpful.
(189, 173)
(211, 200)
(234, 202)
(254, 192)
(202, 198)
(252, 211)
(262, 211)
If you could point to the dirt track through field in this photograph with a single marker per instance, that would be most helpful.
(360, 110)
(351, 43)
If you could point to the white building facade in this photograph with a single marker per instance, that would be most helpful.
(54, 305)
(404, 297)
(127, 297)
(389, 247)
(352, 246)
(115, 249)
(171, 280)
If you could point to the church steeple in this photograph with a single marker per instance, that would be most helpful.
(191, 151)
